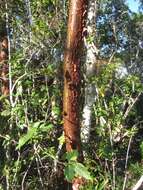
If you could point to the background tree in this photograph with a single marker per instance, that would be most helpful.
(90, 70)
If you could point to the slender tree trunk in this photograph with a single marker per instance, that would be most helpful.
(72, 76)
(91, 56)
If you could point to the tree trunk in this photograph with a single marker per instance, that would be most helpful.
(72, 75)
(3, 62)
(90, 64)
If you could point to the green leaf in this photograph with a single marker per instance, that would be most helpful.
(56, 110)
(45, 128)
(32, 132)
(103, 185)
(82, 171)
(69, 172)
(5, 113)
(35, 125)
(61, 139)
(72, 155)
(76, 169)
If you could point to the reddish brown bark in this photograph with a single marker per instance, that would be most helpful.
(4, 66)
(72, 76)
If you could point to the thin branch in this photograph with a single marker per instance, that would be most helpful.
(138, 184)
(113, 158)
(23, 180)
(9, 54)
(57, 156)
(38, 166)
(126, 163)
(131, 106)
(16, 169)
(29, 14)
(17, 80)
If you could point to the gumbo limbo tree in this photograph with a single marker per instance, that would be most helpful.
(72, 75)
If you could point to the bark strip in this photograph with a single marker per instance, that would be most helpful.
(72, 75)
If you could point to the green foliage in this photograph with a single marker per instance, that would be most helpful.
(33, 132)
(74, 169)
(116, 123)
(30, 128)
(31, 125)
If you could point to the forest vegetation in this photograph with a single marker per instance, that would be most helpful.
(71, 95)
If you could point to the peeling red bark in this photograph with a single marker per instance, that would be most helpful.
(4, 66)
(72, 76)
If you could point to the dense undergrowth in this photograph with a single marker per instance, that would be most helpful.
(32, 147)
